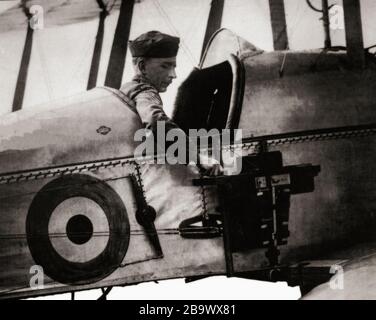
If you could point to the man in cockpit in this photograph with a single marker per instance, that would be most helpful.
(154, 60)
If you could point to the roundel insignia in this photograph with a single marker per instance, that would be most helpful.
(77, 229)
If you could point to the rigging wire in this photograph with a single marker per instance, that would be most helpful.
(199, 17)
(21, 236)
(167, 19)
(136, 232)
(43, 64)
(300, 12)
(89, 45)
(80, 62)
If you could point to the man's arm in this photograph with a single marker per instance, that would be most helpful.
(150, 109)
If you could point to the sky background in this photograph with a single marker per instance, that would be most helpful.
(61, 54)
(59, 67)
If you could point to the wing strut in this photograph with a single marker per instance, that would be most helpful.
(116, 64)
(24, 67)
(279, 27)
(92, 82)
(354, 33)
(214, 22)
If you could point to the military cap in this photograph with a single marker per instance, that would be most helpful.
(154, 44)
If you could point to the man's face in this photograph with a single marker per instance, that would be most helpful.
(160, 72)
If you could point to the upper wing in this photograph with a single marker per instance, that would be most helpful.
(55, 12)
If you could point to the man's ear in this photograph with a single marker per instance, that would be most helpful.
(141, 66)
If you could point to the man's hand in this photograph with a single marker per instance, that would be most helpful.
(214, 170)
(210, 166)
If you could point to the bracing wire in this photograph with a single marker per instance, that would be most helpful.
(167, 19)
(45, 71)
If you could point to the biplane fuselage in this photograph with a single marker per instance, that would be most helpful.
(67, 169)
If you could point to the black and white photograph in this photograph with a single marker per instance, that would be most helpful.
(213, 150)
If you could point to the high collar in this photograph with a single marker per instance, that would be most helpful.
(141, 79)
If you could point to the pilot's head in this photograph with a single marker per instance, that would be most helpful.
(154, 57)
